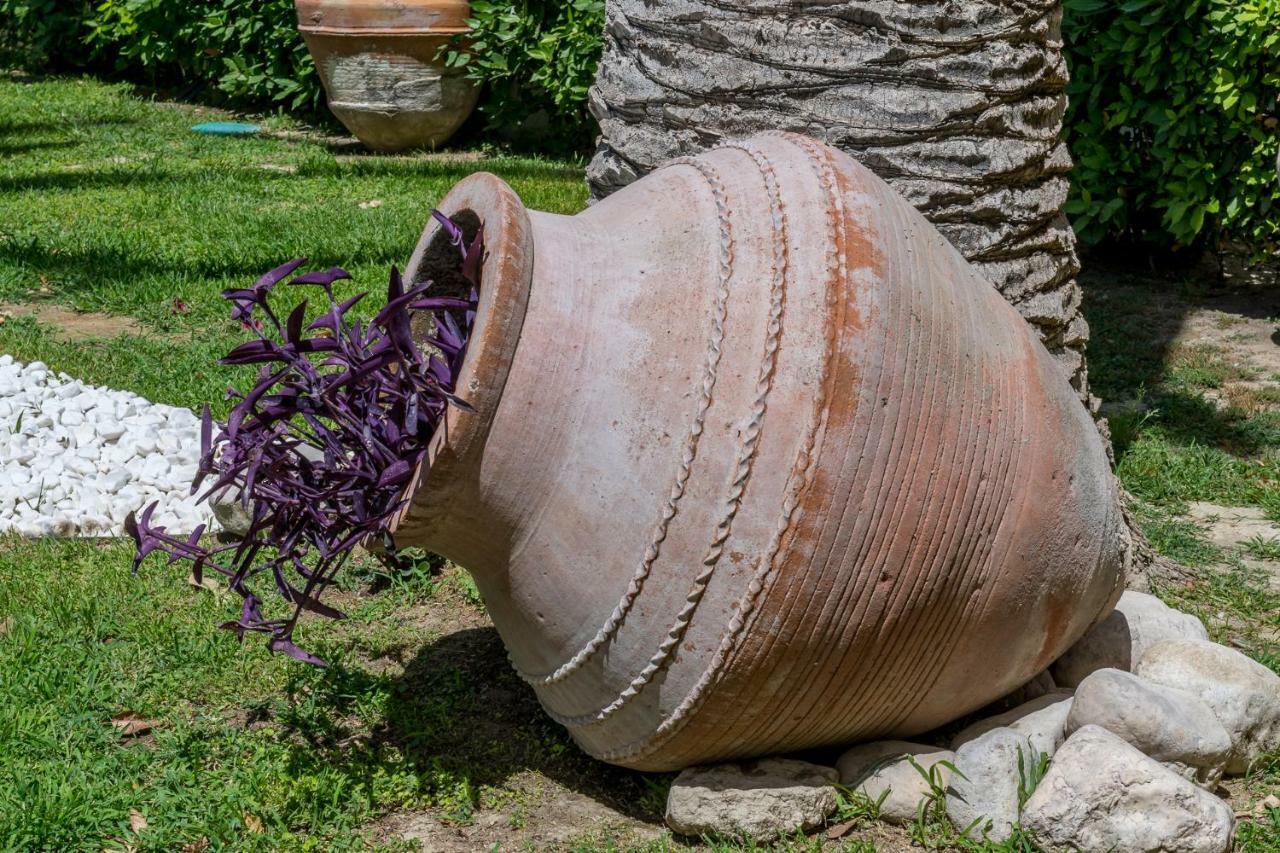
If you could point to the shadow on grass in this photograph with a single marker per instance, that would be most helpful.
(460, 720)
(74, 180)
(83, 270)
(1135, 315)
(9, 127)
(11, 148)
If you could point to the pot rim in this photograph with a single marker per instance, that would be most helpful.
(506, 275)
(381, 17)
(407, 32)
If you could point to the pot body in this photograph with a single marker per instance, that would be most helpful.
(758, 463)
(378, 60)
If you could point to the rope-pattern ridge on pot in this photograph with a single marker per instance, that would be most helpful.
(798, 481)
(689, 451)
(746, 452)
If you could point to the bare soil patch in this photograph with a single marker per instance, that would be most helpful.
(74, 325)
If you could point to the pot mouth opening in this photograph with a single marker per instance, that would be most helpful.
(506, 273)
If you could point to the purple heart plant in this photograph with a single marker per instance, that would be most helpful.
(323, 447)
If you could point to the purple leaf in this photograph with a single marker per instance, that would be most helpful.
(449, 227)
(322, 445)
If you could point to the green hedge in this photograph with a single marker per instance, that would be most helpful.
(34, 32)
(248, 54)
(1173, 120)
(538, 58)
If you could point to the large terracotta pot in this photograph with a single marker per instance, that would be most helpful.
(758, 463)
(378, 60)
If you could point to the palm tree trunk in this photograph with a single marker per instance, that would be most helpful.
(958, 105)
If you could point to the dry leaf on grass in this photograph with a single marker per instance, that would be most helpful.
(136, 821)
(373, 202)
(130, 724)
(253, 823)
(840, 830)
(1261, 808)
(6, 625)
(195, 846)
(206, 583)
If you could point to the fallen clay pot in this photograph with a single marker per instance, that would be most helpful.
(757, 463)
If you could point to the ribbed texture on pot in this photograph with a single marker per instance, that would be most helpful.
(772, 470)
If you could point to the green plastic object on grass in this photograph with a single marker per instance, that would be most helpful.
(226, 128)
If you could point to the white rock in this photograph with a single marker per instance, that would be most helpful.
(1243, 694)
(34, 529)
(116, 480)
(147, 442)
(80, 465)
(982, 798)
(883, 766)
(154, 467)
(1164, 723)
(85, 436)
(1100, 793)
(757, 799)
(62, 525)
(229, 511)
(1118, 642)
(170, 443)
(182, 475)
(1042, 721)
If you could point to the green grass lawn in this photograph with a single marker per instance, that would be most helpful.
(109, 204)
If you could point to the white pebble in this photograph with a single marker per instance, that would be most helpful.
(76, 459)
(115, 481)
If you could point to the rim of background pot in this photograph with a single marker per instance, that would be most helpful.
(506, 274)
(378, 17)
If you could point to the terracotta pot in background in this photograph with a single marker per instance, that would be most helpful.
(378, 62)
(758, 463)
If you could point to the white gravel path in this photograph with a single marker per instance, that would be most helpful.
(75, 459)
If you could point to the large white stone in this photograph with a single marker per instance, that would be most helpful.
(982, 798)
(1243, 694)
(1164, 723)
(1042, 721)
(1119, 641)
(885, 769)
(1100, 793)
(756, 799)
